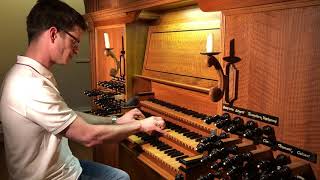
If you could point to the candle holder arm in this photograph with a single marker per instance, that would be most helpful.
(113, 71)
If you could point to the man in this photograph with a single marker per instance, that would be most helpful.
(37, 122)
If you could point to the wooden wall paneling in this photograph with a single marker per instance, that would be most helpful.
(107, 154)
(141, 86)
(90, 5)
(103, 4)
(279, 70)
(136, 38)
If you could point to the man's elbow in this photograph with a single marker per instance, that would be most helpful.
(86, 134)
(91, 139)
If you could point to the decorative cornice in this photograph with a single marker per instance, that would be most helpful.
(134, 6)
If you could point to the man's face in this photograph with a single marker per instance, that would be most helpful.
(68, 46)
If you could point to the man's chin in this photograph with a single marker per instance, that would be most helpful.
(63, 62)
(66, 61)
(69, 59)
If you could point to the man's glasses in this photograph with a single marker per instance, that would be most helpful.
(75, 43)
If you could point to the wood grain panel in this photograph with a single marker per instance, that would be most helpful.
(90, 5)
(196, 101)
(137, 33)
(107, 4)
(279, 70)
(179, 52)
(107, 154)
(175, 43)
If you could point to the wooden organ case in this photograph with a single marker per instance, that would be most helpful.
(269, 54)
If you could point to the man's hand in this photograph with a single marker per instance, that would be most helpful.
(130, 116)
(152, 124)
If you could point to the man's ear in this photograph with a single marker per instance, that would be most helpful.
(53, 33)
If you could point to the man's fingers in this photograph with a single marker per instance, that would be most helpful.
(159, 122)
(137, 111)
(138, 116)
(160, 130)
(142, 116)
(158, 118)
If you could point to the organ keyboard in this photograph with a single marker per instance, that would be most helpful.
(181, 115)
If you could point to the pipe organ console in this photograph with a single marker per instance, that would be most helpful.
(246, 106)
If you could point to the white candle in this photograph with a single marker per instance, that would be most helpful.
(210, 43)
(106, 40)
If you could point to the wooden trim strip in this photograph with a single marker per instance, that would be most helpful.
(180, 85)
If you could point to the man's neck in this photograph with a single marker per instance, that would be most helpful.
(37, 52)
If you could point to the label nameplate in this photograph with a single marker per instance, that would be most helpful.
(251, 114)
(312, 157)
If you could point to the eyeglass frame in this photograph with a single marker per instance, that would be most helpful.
(77, 41)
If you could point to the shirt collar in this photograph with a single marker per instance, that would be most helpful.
(36, 65)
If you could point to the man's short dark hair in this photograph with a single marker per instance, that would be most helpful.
(52, 13)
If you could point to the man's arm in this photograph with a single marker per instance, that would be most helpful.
(90, 135)
(130, 116)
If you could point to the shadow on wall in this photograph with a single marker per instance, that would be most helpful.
(73, 79)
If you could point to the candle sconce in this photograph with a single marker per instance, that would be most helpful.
(232, 74)
(216, 93)
(223, 88)
(113, 71)
(122, 61)
(120, 64)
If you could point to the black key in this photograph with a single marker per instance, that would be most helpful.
(169, 151)
(181, 157)
(164, 148)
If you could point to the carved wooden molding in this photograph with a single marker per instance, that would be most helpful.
(134, 6)
(218, 5)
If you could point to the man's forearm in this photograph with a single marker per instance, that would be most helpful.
(92, 119)
(90, 135)
(116, 133)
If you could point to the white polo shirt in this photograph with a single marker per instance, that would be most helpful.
(32, 114)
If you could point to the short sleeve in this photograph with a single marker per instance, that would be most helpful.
(46, 107)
